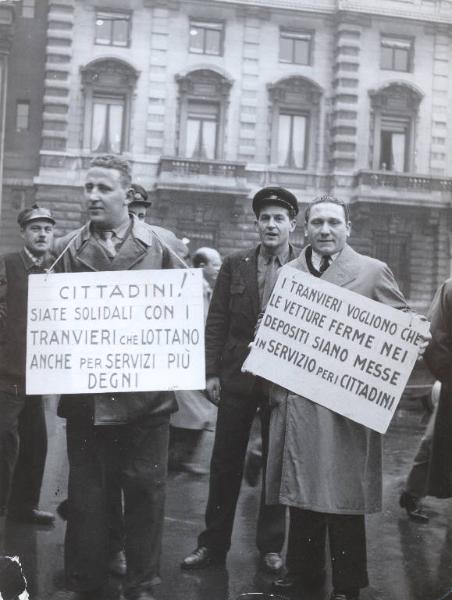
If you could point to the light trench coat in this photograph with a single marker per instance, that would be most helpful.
(319, 460)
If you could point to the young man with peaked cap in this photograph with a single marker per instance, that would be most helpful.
(325, 467)
(23, 433)
(139, 202)
(243, 287)
(121, 439)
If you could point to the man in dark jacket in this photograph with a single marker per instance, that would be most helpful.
(438, 357)
(241, 292)
(23, 434)
(121, 440)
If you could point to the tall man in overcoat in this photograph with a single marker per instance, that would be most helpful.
(241, 292)
(121, 439)
(325, 467)
(23, 433)
(438, 357)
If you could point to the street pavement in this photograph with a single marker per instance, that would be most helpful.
(407, 560)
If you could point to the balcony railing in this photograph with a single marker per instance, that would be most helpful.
(405, 181)
(191, 166)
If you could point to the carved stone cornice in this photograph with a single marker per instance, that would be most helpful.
(308, 92)
(104, 72)
(204, 83)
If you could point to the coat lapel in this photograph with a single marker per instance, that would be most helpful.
(248, 272)
(340, 272)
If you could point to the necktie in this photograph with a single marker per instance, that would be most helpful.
(271, 275)
(106, 238)
(325, 263)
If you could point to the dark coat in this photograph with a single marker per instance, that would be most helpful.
(14, 271)
(141, 250)
(438, 357)
(231, 321)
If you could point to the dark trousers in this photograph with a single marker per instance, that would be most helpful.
(307, 546)
(23, 450)
(235, 416)
(132, 458)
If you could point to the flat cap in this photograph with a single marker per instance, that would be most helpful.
(139, 195)
(35, 213)
(275, 195)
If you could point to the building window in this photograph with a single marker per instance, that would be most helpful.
(112, 28)
(206, 37)
(22, 115)
(28, 8)
(202, 130)
(396, 53)
(295, 122)
(295, 47)
(292, 140)
(108, 87)
(395, 109)
(394, 144)
(395, 250)
(107, 129)
(203, 100)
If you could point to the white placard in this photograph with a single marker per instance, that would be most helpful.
(115, 331)
(340, 349)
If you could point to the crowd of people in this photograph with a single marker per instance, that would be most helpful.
(323, 466)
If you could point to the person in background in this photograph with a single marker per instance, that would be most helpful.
(243, 287)
(325, 467)
(114, 440)
(23, 433)
(416, 482)
(196, 413)
(139, 202)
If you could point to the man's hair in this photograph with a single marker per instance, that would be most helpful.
(327, 200)
(110, 161)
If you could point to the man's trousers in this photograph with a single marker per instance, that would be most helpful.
(132, 457)
(23, 450)
(307, 548)
(235, 416)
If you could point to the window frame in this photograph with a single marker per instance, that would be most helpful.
(395, 243)
(18, 104)
(203, 24)
(110, 99)
(397, 39)
(126, 15)
(293, 35)
(295, 113)
(213, 103)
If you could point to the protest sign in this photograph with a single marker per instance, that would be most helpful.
(115, 331)
(340, 349)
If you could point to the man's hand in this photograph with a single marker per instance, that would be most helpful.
(213, 389)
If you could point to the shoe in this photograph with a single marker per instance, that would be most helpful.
(272, 562)
(62, 510)
(118, 564)
(287, 583)
(342, 596)
(252, 469)
(202, 557)
(32, 515)
(411, 504)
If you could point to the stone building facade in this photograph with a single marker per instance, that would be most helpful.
(212, 99)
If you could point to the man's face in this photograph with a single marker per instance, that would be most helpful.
(139, 210)
(274, 227)
(211, 268)
(327, 230)
(106, 198)
(38, 237)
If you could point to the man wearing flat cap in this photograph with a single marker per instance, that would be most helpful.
(243, 287)
(139, 201)
(23, 434)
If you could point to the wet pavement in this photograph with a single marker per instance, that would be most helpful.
(407, 560)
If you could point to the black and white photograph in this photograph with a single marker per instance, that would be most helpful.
(225, 299)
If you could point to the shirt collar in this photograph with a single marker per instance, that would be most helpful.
(38, 261)
(316, 258)
(120, 231)
(283, 257)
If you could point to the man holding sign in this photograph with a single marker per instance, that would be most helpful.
(121, 439)
(324, 466)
